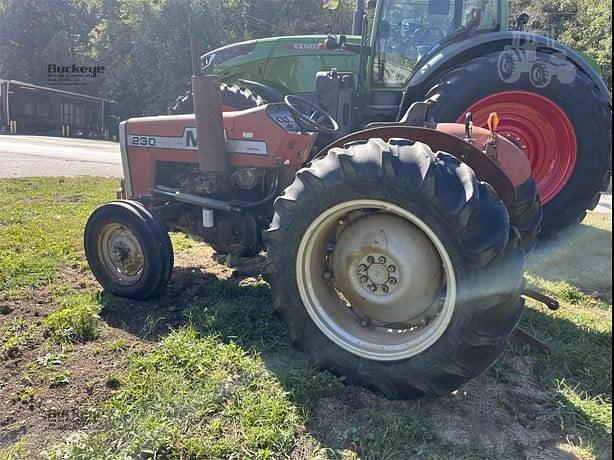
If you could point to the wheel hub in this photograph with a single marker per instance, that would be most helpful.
(376, 274)
(121, 254)
(387, 269)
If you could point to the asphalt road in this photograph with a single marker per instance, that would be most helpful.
(25, 156)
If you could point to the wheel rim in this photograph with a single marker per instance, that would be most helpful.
(376, 280)
(541, 129)
(121, 254)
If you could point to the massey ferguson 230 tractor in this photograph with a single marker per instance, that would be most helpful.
(395, 254)
(460, 55)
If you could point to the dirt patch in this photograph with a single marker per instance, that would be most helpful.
(514, 416)
(48, 391)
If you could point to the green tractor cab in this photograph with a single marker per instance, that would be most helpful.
(460, 56)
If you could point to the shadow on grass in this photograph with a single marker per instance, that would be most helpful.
(580, 255)
(341, 417)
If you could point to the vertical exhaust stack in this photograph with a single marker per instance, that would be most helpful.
(212, 159)
(357, 20)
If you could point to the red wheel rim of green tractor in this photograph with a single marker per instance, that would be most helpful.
(543, 131)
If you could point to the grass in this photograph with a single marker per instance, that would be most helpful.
(224, 381)
(192, 397)
(15, 334)
(76, 321)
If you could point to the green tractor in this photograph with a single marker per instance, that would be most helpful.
(446, 58)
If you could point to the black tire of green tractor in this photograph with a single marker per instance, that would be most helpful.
(588, 109)
(470, 221)
(152, 236)
(232, 96)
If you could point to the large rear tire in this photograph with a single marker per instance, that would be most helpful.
(128, 250)
(233, 98)
(412, 215)
(563, 124)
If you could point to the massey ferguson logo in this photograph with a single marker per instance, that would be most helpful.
(189, 141)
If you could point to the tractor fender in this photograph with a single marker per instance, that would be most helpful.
(445, 58)
(506, 172)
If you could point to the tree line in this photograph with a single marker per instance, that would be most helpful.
(144, 44)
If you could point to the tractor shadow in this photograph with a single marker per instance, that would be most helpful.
(519, 408)
(581, 255)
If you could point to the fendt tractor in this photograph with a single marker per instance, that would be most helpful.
(395, 253)
(459, 55)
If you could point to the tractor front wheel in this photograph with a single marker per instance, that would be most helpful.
(556, 114)
(128, 250)
(395, 267)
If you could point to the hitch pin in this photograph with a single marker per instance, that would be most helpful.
(549, 302)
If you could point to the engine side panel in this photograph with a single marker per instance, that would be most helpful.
(254, 138)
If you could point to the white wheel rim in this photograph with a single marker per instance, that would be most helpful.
(121, 254)
(340, 323)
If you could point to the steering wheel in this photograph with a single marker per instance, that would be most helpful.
(309, 116)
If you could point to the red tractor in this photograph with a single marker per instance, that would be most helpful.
(395, 254)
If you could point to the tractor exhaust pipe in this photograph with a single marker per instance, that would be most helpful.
(212, 159)
(358, 14)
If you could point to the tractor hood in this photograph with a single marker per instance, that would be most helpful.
(288, 64)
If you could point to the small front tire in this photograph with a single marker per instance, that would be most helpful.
(128, 250)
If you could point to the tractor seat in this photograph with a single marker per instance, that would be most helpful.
(416, 115)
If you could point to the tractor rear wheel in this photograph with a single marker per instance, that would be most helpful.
(395, 267)
(128, 250)
(563, 124)
(233, 98)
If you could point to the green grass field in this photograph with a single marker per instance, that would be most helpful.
(206, 371)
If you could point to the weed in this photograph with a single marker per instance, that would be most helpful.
(118, 345)
(76, 322)
(15, 334)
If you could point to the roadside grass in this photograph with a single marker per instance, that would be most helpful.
(222, 381)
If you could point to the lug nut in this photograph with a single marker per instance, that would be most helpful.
(370, 259)
(372, 288)
(362, 267)
(385, 288)
(392, 268)
(382, 260)
(392, 281)
(363, 279)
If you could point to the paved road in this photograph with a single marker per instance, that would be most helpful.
(22, 156)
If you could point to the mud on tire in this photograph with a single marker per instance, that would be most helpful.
(470, 222)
